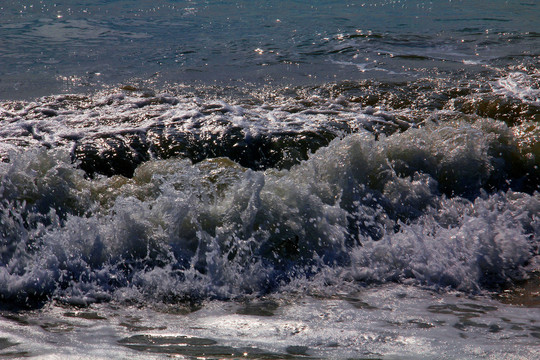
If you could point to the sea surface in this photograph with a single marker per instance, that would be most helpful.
(270, 179)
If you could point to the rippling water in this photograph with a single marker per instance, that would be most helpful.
(68, 46)
(269, 180)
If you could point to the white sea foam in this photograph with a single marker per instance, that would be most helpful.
(410, 208)
(525, 87)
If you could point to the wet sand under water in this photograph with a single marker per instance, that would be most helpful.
(526, 293)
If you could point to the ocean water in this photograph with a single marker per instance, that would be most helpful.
(270, 180)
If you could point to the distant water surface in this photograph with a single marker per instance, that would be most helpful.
(51, 47)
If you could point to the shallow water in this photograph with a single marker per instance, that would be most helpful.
(390, 322)
(203, 179)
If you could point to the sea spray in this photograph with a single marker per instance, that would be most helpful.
(426, 205)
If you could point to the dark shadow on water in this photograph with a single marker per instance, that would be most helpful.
(205, 348)
(259, 308)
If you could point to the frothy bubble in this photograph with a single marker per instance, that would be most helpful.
(413, 207)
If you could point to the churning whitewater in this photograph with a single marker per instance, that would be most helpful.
(299, 222)
(211, 200)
